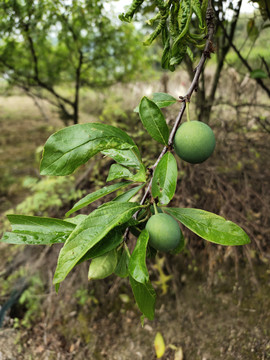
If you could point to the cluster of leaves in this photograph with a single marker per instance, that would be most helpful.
(101, 235)
(173, 21)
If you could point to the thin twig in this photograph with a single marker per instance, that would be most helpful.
(206, 54)
(210, 21)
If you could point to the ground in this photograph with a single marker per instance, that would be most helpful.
(217, 302)
(227, 321)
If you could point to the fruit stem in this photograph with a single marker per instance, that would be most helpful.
(155, 208)
(188, 116)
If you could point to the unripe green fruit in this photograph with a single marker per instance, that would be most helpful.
(194, 142)
(141, 215)
(164, 232)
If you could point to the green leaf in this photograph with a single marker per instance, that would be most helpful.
(89, 232)
(145, 297)
(125, 157)
(204, 9)
(166, 55)
(134, 7)
(108, 243)
(157, 31)
(258, 74)
(71, 147)
(118, 171)
(210, 227)
(162, 99)
(34, 230)
(137, 263)
(88, 199)
(121, 269)
(196, 6)
(184, 19)
(190, 54)
(178, 54)
(154, 121)
(103, 266)
(165, 179)
(128, 195)
(76, 219)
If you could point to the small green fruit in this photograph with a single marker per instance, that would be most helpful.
(164, 232)
(194, 142)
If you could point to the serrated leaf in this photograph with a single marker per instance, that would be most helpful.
(103, 266)
(88, 199)
(128, 195)
(165, 179)
(162, 99)
(89, 232)
(121, 269)
(154, 121)
(145, 297)
(210, 227)
(35, 230)
(258, 74)
(137, 262)
(159, 345)
(71, 147)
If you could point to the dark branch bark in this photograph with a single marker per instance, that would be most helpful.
(77, 89)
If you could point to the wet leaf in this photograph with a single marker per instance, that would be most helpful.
(210, 227)
(89, 232)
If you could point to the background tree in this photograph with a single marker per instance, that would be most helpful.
(48, 44)
(227, 39)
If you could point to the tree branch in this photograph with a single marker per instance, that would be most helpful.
(37, 77)
(210, 20)
(244, 61)
(224, 48)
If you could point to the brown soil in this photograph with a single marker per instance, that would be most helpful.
(228, 321)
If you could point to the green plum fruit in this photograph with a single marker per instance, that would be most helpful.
(136, 230)
(164, 232)
(194, 142)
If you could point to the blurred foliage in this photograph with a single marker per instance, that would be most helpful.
(49, 43)
(30, 300)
